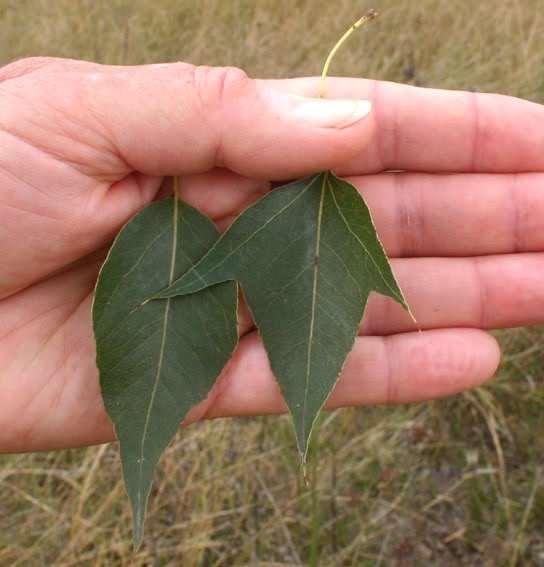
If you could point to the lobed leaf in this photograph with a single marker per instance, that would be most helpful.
(307, 257)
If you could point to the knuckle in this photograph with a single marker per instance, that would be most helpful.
(217, 86)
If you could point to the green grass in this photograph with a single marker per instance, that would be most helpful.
(455, 482)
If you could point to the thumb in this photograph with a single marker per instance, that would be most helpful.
(176, 118)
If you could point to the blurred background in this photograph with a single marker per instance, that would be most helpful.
(454, 482)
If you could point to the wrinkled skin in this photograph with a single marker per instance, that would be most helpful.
(84, 147)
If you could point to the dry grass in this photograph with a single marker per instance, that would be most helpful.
(457, 482)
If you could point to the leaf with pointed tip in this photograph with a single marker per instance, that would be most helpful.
(157, 360)
(307, 257)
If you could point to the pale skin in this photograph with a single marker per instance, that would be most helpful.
(84, 147)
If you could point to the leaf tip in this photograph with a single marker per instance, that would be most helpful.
(404, 303)
(303, 445)
(305, 475)
(138, 495)
(151, 298)
(137, 533)
(413, 318)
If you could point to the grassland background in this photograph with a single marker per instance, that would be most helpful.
(454, 482)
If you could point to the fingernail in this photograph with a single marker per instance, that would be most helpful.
(320, 112)
(329, 113)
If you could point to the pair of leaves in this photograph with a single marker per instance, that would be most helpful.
(307, 257)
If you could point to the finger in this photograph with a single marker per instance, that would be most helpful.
(177, 118)
(456, 215)
(431, 130)
(415, 214)
(220, 194)
(482, 292)
(488, 292)
(398, 369)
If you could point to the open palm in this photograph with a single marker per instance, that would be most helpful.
(84, 147)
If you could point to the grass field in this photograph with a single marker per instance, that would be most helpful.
(454, 482)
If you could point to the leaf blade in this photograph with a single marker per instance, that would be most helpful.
(213, 267)
(157, 360)
(358, 221)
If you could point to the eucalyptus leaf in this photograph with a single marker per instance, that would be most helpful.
(307, 257)
(157, 360)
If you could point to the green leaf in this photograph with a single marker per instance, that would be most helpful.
(160, 359)
(307, 257)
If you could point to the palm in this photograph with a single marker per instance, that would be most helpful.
(46, 349)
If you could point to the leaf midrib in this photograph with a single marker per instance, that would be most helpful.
(156, 382)
(314, 302)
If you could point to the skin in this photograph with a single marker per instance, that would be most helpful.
(84, 147)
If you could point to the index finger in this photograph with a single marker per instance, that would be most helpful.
(420, 129)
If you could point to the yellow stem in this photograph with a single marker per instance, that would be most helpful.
(370, 15)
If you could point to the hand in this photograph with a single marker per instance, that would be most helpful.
(84, 147)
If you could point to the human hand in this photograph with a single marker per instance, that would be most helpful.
(84, 147)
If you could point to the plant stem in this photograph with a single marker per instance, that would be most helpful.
(175, 186)
(370, 15)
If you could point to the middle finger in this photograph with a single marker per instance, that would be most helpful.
(487, 292)
(456, 214)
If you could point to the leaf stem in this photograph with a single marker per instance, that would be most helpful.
(175, 186)
(370, 15)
